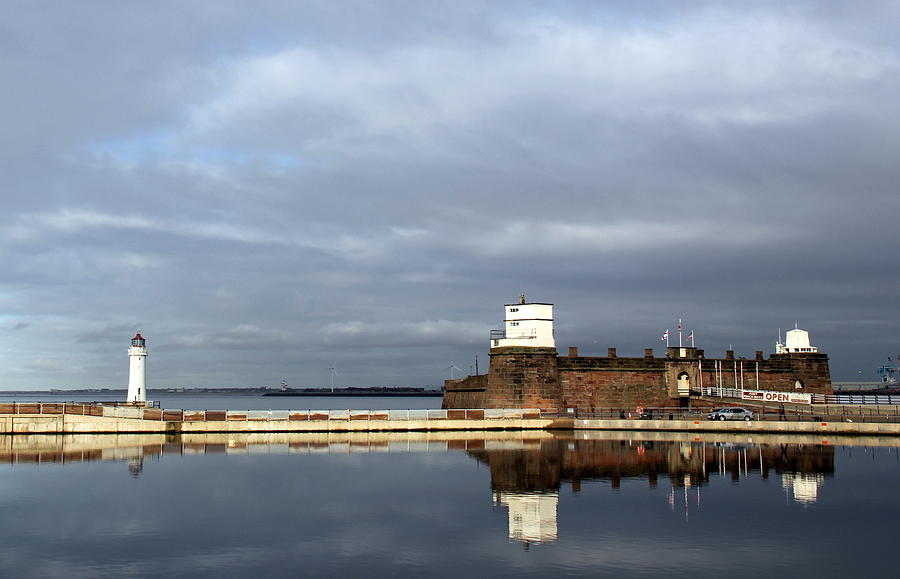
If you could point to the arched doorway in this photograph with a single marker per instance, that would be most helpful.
(684, 384)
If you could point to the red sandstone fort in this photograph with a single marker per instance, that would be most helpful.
(527, 372)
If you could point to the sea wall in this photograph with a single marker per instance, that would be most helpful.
(459, 420)
(742, 426)
(125, 420)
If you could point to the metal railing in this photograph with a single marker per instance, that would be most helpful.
(836, 413)
(657, 413)
(716, 391)
(857, 399)
(77, 408)
(852, 399)
(515, 335)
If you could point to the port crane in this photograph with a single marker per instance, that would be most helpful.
(887, 371)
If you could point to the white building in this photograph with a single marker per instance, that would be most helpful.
(525, 325)
(805, 486)
(796, 341)
(532, 515)
(137, 370)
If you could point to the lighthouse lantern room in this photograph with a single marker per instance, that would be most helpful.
(137, 370)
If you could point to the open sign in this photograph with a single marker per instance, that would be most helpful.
(778, 397)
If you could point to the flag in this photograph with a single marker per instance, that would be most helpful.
(691, 335)
(665, 336)
(679, 324)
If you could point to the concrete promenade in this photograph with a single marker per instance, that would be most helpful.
(122, 420)
(340, 421)
(741, 426)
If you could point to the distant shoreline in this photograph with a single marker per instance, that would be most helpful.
(358, 392)
(350, 391)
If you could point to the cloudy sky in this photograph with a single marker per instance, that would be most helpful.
(267, 190)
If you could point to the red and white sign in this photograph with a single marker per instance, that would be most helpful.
(783, 397)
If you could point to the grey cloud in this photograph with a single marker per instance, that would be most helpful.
(296, 182)
(408, 334)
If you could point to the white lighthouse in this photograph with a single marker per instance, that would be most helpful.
(137, 370)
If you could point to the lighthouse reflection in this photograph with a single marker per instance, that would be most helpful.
(136, 466)
(527, 470)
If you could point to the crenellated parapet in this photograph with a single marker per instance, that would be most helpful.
(522, 376)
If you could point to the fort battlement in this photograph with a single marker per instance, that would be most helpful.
(538, 377)
(522, 379)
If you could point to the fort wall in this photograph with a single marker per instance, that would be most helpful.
(465, 392)
(539, 378)
(523, 378)
(589, 383)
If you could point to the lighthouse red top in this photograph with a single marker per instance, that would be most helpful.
(137, 341)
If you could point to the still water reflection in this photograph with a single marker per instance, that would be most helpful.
(446, 504)
(527, 481)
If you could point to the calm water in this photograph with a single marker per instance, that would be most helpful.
(252, 401)
(448, 505)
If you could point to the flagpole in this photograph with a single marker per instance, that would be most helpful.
(679, 332)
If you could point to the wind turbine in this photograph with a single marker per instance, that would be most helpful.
(333, 372)
(453, 367)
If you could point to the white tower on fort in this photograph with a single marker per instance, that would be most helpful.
(796, 341)
(525, 325)
(532, 515)
(137, 370)
(805, 486)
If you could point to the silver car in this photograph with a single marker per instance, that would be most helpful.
(731, 414)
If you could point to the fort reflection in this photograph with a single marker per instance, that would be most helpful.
(519, 461)
(527, 469)
(527, 481)
(549, 463)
